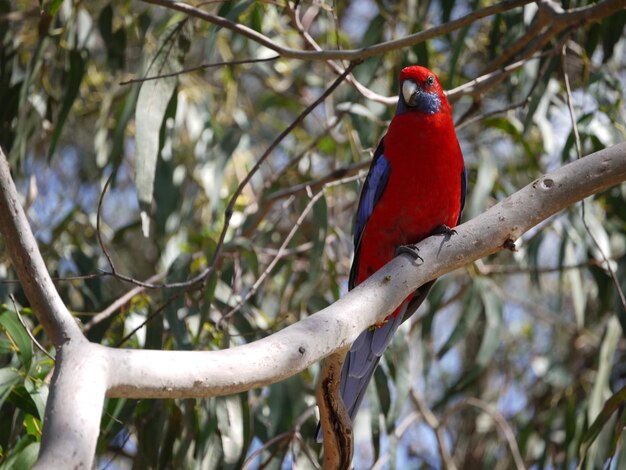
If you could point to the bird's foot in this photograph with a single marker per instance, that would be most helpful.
(444, 230)
(412, 250)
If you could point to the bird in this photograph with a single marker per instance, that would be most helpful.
(415, 188)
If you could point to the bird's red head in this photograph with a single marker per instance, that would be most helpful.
(420, 90)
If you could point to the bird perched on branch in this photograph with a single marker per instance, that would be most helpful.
(415, 188)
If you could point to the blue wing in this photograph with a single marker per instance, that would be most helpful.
(362, 360)
(463, 192)
(373, 189)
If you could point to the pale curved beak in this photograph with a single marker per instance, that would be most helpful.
(410, 92)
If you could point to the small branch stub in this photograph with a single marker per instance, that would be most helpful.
(509, 244)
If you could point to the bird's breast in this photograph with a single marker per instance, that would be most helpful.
(423, 191)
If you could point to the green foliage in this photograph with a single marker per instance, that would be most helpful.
(538, 335)
(23, 392)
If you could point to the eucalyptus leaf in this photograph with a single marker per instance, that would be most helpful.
(154, 95)
(14, 329)
(73, 80)
(23, 456)
(472, 307)
(601, 410)
(230, 426)
(492, 305)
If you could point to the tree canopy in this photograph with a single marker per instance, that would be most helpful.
(191, 175)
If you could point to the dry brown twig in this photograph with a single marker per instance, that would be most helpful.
(438, 427)
(119, 303)
(200, 67)
(283, 247)
(503, 426)
(28, 332)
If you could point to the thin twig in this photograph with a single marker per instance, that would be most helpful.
(520, 104)
(277, 175)
(297, 250)
(200, 67)
(261, 209)
(503, 425)
(437, 427)
(105, 251)
(150, 317)
(579, 153)
(123, 300)
(288, 435)
(480, 84)
(365, 91)
(98, 217)
(265, 204)
(538, 311)
(283, 247)
(307, 452)
(60, 279)
(399, 432)
(551, 20)
(536, 29)
(335, 175)
(503, 269)
(30, 335)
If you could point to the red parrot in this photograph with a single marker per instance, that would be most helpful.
(415, 188)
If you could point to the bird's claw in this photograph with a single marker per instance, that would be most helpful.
(412, 250)
(444, 230)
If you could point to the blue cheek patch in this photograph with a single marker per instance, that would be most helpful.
(428, 103)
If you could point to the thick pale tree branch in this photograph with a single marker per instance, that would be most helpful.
(29, 265)
(74, 407)
(85, 372)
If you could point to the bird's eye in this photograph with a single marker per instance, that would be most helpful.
(430, 81)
